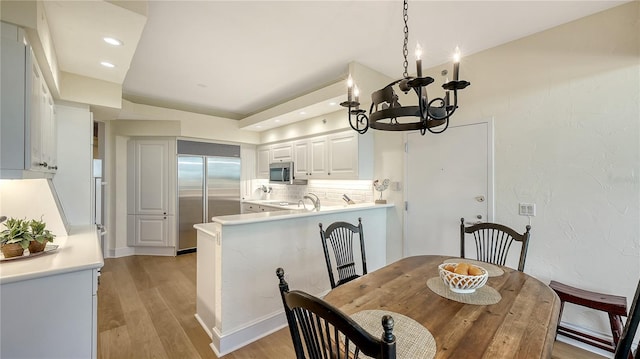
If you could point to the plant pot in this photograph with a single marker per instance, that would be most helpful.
(12, 250)
(35, 246)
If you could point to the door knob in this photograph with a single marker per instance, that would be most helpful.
(480, 198)
(479, 216)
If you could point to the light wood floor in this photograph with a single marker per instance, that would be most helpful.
(146, 306)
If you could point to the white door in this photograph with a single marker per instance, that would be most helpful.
(152, 159)
(449, 176)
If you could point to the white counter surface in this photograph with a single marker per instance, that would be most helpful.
(287, 214)
(78, 251)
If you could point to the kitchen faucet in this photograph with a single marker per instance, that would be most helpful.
(316, 201)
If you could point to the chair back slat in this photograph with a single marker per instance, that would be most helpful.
(339, 236)
(321, 331)
(493, 242)
(623, 348)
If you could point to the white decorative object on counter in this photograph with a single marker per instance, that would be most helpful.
(380, 187)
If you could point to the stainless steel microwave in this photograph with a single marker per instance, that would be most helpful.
(282, 172)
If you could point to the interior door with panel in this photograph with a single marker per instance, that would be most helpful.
(448, 176)
(152, 177)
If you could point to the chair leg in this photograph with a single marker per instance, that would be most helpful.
(616, 327)
(559, 317)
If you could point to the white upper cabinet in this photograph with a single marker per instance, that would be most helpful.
(301, 166)
(342, 155)
(282, 152)
(263, 158)
(310, 160)
(28, 126)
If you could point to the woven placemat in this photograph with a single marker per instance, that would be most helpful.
(484, 295)
(492, 269)
(413, 340)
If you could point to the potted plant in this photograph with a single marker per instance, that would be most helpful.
(15, 238)
(39, 236)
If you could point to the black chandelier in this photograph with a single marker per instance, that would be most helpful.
(385, 108)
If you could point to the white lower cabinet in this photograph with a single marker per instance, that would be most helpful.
(50, 317)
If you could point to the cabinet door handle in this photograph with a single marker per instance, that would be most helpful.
(42, 164)
(165, 213)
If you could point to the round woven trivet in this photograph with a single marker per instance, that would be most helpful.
(484, 295)
(413, 340)
(492, 269)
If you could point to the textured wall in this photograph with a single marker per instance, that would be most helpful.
(567, 137)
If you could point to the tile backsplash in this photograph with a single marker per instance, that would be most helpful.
(329, 191)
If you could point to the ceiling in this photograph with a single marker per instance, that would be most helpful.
(236, 58)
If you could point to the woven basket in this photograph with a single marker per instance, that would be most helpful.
(12, 250)
(35, 246)
(460, 283)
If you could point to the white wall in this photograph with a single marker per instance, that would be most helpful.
(73, 179)
(567, 137)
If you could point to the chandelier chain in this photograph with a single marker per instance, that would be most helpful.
(405, 51)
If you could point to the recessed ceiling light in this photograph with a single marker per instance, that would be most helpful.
(277, 120)
(107, 64)
(303, 113)
(112, 41)
(332, 103)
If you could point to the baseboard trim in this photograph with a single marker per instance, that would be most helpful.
(122, 252)
(142, 251)
(225, 344)
(585, 346)
(203, 325)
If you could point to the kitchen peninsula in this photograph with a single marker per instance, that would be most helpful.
(237, 295)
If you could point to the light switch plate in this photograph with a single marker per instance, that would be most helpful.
(527, 209)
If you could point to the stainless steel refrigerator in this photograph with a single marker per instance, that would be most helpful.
(208, 186)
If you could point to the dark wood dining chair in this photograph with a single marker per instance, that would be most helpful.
(320, 330)
(615, 306)
(623, 348)
(340, 236)
(493, 242)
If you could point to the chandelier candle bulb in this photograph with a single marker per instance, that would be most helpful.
(418, 60)
(356, 94)
(456, 64)
(349, 88)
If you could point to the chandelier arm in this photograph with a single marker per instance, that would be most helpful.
(360, 118)
(446, 125)
(422, 103)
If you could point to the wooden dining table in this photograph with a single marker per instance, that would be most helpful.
(521, 325)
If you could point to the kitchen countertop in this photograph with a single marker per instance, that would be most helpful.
(77, 251)
(289, 213)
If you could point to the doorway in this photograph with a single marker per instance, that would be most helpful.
(448, 176)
